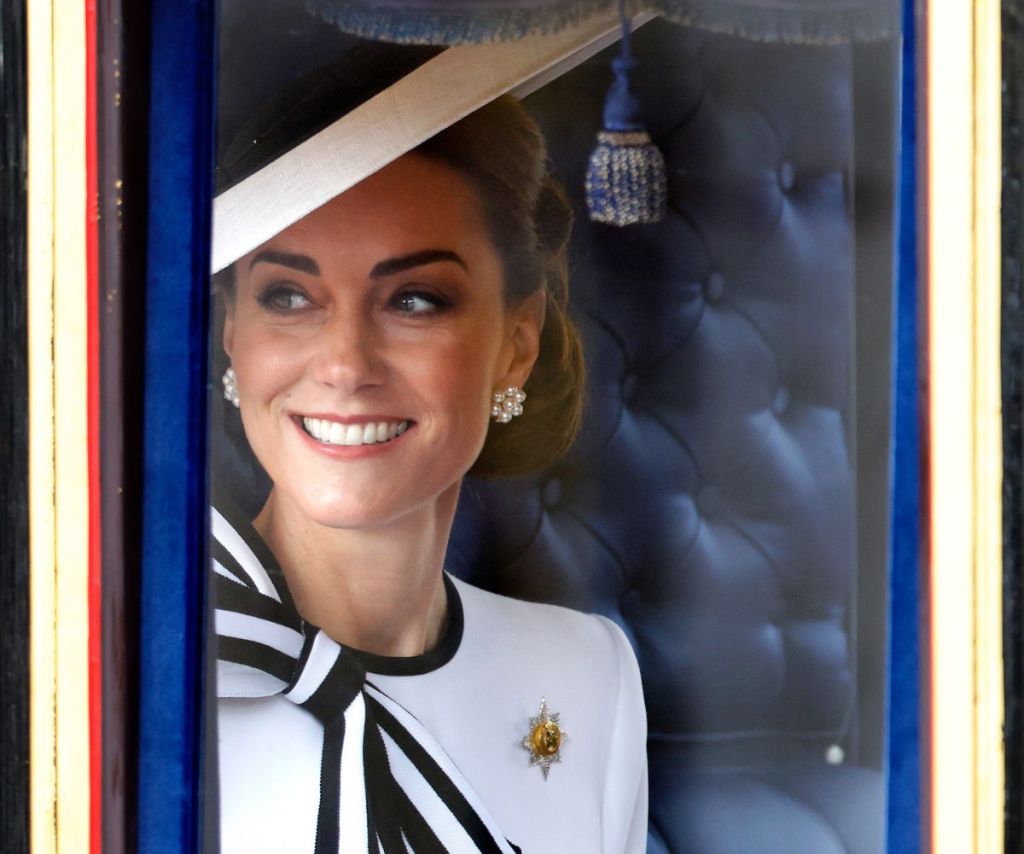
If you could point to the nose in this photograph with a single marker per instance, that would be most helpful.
(349, 354)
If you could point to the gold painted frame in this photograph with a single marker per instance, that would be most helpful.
(58, 450)
(961, 249)
(961, 254)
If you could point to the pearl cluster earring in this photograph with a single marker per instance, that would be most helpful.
(230, 387)
(507, 404)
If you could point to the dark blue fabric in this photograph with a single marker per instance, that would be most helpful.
(709, 494)
(904, 714)
(707, 506)
(467, 21)
(172, 607)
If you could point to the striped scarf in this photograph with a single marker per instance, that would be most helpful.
(385, 784)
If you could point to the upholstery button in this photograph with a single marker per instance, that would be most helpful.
(714, 290)
(551, 492)
(709, 500)
(629, 386)
(787, 176)
(781, 402)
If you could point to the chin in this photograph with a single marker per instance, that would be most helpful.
(349, 508)
(367, 497)
(350, 521)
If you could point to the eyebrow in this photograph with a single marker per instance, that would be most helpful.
(302, 263)
(391, 266)
(388, 267)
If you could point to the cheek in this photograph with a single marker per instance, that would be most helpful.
(459, 372)
(263, 361)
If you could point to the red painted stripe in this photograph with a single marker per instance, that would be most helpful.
(93, 389)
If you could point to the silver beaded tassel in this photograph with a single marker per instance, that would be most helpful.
(626, 180)
(507, 404)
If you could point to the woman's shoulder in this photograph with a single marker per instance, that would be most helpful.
(517, 666)
(582, 667)
(534, 635)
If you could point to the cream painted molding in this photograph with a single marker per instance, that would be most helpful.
(963, 122)
(58, 451)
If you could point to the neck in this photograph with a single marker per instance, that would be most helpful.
(381, 589)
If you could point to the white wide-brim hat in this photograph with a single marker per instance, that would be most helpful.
(339, 124)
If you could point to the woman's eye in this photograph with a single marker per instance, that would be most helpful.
(281, 298)
(418, 302)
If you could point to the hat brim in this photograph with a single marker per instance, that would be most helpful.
(421, 104)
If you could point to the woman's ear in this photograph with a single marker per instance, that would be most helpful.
(228, 337)
(525, 323)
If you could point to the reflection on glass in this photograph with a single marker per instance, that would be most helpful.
(722, 505)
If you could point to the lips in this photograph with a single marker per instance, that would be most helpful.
(328, 432)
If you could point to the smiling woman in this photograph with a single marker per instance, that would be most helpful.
(384, 306)
(409, 331)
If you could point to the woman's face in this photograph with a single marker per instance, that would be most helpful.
(367, 340)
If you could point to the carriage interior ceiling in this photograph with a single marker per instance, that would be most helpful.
(709, 505)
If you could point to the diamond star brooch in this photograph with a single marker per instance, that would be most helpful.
(545, 739)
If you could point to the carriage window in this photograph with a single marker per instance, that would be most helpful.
(438, 410)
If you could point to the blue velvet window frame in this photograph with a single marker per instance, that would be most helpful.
(173, 577)
(903, 723)
(173, 584)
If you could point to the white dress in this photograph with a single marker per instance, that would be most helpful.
(475, 695)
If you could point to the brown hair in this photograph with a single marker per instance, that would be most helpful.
(501, 150)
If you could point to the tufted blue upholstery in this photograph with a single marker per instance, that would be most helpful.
(708, 506)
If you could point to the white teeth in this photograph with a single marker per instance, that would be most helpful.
(333, 433)
(353, 435)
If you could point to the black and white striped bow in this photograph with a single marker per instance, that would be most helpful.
(386, 786)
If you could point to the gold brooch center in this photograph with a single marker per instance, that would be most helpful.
(545, 739)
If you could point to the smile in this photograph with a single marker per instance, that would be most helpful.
(369, 433)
